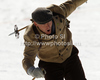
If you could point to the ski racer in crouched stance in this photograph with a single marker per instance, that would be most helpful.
(57, 61)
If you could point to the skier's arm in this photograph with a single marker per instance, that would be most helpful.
(30, 49)
(67, 7)
(29, 57)
(30, 54)
(28, 63)
(70, 5)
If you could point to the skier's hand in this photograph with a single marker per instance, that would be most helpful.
(36, 72)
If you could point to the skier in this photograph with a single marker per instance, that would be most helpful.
(49, 38)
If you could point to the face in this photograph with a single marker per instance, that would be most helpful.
(46, 28)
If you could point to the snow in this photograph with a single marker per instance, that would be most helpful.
(85, 21)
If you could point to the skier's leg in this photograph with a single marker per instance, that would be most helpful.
(53, 70)
(75, 71)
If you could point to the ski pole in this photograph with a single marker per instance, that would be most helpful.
(22, 28)
(33, 78)
(16, 31)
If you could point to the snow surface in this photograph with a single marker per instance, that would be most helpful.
(85, 22)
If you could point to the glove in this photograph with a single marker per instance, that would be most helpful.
(36, 72)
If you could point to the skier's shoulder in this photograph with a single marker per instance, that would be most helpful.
(56, 9)
(29, 33)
